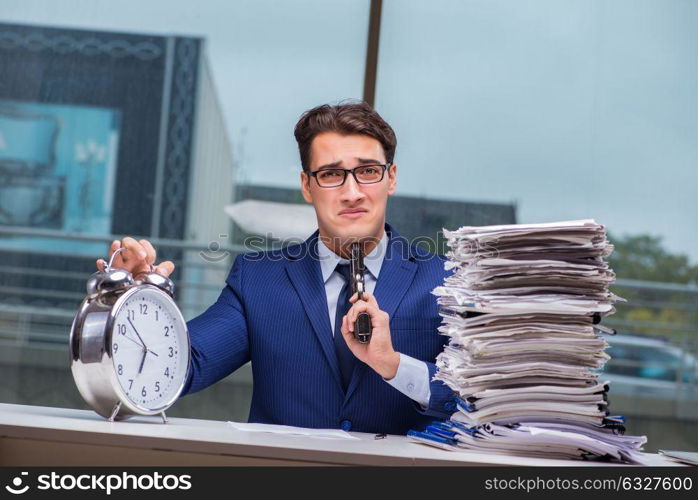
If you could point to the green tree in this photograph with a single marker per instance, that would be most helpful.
(652, 311)
(642, 257)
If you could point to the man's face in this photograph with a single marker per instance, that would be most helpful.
(352, 210)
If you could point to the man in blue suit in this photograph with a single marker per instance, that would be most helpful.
(291, 311)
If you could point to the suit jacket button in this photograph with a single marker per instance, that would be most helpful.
(346, 425)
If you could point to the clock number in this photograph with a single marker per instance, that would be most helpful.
(121, 369)
(144, 309)
(167, 372)
(156, 315)
(167, 329)
(171, 352)
(131, 315)
(143, 393)
(115, 347)
(157, 386)
(122, 329)
(130, 383)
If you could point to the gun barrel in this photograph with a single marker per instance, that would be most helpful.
(362, 326)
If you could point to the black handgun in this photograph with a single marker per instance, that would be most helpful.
(362, 326)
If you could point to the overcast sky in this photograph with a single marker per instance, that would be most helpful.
(569, 108)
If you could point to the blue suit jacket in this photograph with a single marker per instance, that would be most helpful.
(273, 311)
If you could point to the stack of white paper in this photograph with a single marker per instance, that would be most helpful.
(522, 311)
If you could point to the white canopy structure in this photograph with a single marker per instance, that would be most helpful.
(273, 219)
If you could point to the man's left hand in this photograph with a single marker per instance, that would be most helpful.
(378, 353)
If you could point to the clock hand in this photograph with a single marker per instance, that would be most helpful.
(153, 353)
(140, 368)
(139, 335)
(145, 348)
(135, 341)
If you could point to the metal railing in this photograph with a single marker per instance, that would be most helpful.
(41, 318)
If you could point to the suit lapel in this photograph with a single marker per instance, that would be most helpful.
(396, 274)
(306, 277)
(395, 278)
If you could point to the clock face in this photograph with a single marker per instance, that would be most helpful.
(150, 348)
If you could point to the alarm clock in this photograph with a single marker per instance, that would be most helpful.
(129, 344)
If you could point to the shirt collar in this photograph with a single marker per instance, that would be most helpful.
(373, 260)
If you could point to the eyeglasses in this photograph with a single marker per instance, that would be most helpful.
(363, 174)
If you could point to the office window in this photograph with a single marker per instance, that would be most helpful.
(141, 119)
(567, 110)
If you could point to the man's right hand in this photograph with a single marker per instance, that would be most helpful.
(137, 257)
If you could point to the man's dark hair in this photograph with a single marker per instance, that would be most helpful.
(346, 118)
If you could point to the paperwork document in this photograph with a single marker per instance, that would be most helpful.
(298, 431)
(522, 310)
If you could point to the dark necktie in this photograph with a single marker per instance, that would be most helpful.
(345, 358)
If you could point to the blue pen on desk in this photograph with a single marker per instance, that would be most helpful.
(462, 427)
(431, 439)
(441, 432)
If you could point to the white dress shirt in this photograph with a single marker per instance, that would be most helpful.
(412, 377)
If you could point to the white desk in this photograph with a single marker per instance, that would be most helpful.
(37, 435)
